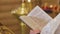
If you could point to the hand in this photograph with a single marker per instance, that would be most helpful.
(34, 31)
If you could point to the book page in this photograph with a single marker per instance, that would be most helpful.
(51, 27)
(34, 11)
(57, 30)
(38, 17)
(39, 13)
(30, 22)
(34, 22)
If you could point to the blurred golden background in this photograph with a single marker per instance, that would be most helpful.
(10, 10)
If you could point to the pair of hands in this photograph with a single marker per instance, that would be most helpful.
(34, 31)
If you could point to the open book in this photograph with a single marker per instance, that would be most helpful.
(36, 19)
(52, 27)
(39, 13)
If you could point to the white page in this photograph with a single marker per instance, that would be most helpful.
(42, 18)
(51, 27)
(34, 22)
(39, 13)
(30, 22)
(57, 30)
(34, 11)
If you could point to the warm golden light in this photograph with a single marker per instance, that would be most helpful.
(51, 6)
(22, 11)
(22, 24)
(23, 5)
(13, 12)
(29, 0)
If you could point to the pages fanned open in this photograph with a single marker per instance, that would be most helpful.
(36, 19)
(52, 26)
